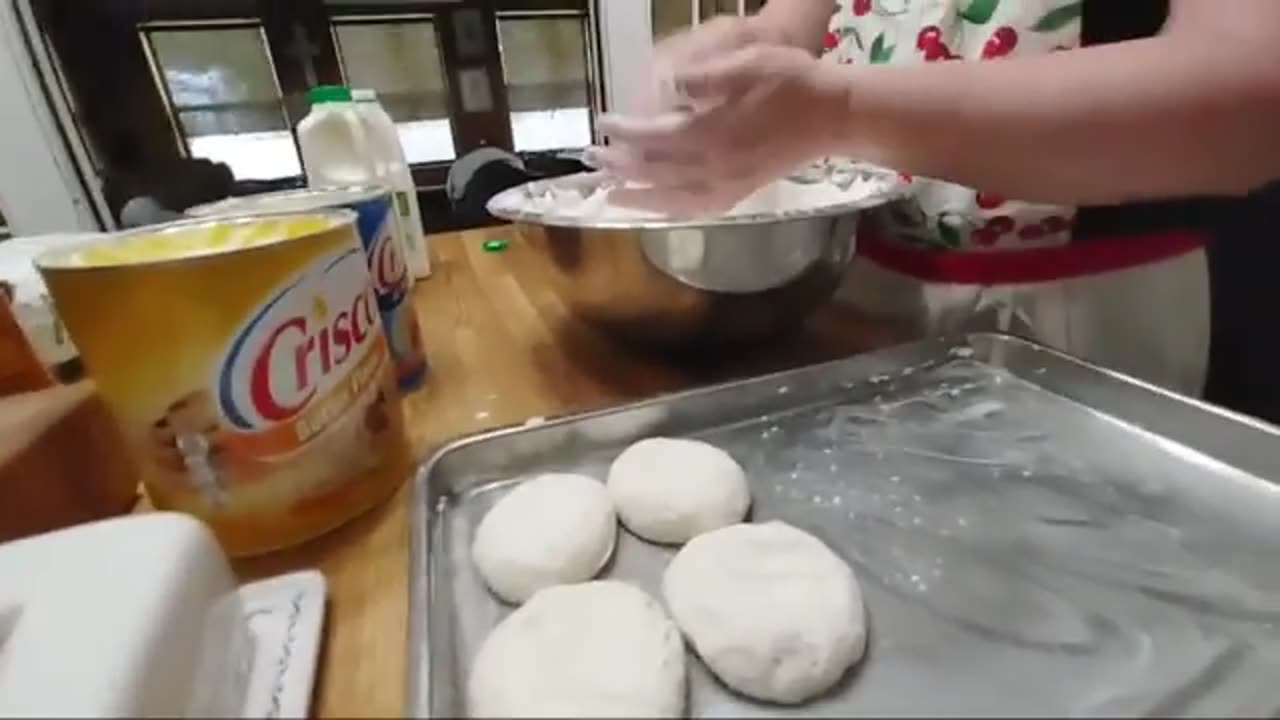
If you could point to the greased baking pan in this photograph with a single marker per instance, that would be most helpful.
(1033, 535)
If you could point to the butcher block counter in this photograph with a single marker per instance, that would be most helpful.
(503, 348)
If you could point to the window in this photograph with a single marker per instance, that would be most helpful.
(545, 61)
(227, 80)
(671, 16)
(399, 58)
(224, 103)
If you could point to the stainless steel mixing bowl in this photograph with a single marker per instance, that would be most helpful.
(689, 284)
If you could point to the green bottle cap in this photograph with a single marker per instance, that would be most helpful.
(494, 245)
(329, 94)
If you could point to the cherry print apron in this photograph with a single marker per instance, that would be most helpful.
(954, 259)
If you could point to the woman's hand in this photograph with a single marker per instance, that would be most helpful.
(755, 114)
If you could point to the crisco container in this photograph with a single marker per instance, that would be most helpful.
(377, 222)
(246, 363)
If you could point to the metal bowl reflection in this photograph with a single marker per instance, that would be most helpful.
(689, 285)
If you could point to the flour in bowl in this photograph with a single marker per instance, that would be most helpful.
(584, 198)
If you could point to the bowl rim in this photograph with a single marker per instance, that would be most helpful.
(895, 187)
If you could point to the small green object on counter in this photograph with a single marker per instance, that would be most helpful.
(494, 245)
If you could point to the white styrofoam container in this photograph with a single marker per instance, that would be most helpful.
(141, 616)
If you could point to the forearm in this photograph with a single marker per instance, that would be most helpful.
(1076, 127)
(799, 23)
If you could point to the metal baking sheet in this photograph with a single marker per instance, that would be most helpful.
(1033, 535)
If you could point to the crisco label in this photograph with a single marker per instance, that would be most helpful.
(388, 267)
(303, 357)
(249, 368)
(381, 234)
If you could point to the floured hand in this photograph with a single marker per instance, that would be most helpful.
(753, 116)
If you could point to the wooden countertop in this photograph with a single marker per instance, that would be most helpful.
(503, 348)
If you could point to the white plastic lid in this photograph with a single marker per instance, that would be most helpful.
(363, 95)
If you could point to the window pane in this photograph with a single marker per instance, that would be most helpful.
(230, 119)
(224, 66)
(225, 100)
(712, 8)
(251, 156)
(670, 16)
(545, 63)
(401, 61)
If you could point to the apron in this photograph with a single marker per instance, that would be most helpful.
(956, 259)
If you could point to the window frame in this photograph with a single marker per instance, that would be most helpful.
(174, 112)
(742, 8)
(590, 61)
(434, 171)
(429, 174)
